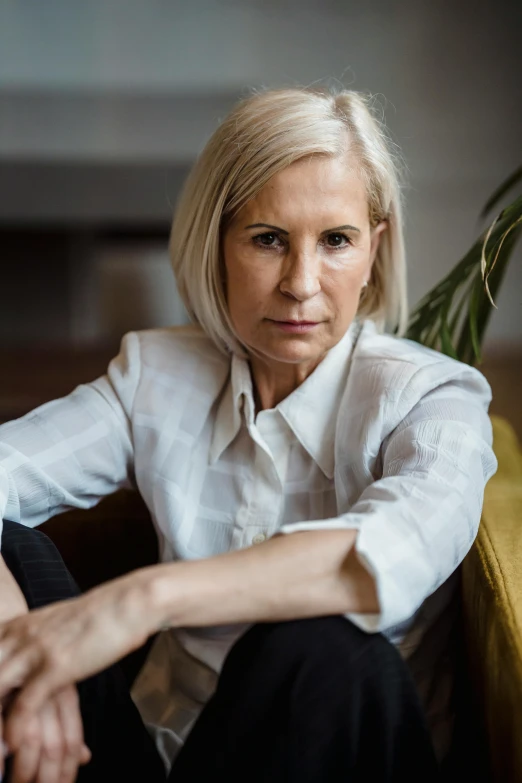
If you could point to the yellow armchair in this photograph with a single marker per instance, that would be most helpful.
(492, 605)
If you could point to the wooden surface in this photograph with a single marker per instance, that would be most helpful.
(32, 376)
(504, 373)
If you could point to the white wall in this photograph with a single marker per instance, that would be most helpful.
(450, 73)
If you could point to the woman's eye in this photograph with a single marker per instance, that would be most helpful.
(337, 240)
(268, 239)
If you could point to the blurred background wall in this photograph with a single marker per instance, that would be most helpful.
(105, 104)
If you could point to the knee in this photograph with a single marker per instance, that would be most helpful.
(14, 533)
(36, 565)
(20, 542)
(326, 643)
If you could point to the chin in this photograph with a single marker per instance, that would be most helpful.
(292, 351)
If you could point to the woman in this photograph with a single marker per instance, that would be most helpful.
(314, 483)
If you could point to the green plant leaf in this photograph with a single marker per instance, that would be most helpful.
(453, 316)
(473, 315)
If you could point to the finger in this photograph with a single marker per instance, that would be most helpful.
(5, 750)
(71, 764)
(26, 759)
(37, 691)
(68, 707)
(53, 750)
(85, 755)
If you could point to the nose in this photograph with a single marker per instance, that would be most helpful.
(300, 277)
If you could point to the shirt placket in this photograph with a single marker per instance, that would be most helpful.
(266, 497)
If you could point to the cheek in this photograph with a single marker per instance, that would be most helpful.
(248, 288)
(342, 284)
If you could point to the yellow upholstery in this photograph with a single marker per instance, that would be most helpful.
(492, 596)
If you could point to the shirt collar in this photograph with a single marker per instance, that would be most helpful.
(238, 397)
(310, 411)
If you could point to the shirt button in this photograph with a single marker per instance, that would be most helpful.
(258, 538)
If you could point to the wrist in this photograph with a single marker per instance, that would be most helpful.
(163, 587)
(146, 599)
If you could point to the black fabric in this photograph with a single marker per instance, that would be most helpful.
(36, 565)
(313, 700)
(310, 700)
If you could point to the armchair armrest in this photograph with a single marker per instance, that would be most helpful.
(492, 602)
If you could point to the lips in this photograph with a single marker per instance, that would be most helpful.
(295, 327)
(294, 323)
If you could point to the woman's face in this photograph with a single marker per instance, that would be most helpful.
(296, 257)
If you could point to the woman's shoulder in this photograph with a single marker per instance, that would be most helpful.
(180, 358)
(397, 363)
(173, 347)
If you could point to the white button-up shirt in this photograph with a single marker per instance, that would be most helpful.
(386, 437)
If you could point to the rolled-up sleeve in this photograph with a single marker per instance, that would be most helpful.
(418, 520)
(72, 451)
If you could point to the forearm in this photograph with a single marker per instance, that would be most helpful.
(306, 574)
(12, 601)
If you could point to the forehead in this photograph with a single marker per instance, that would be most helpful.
(317, 186)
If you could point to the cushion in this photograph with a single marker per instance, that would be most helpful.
(492, 598)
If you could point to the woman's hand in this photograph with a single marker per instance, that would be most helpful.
(52, 747)
(61, 644)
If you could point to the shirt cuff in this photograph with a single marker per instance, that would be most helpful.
(390, 604)
(376, 622)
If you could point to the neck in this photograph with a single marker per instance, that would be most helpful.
(275, 381)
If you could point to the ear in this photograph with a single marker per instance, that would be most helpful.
(375, 238)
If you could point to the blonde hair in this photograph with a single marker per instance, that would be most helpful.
(262, 135)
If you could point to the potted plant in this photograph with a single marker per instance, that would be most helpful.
(452, 317)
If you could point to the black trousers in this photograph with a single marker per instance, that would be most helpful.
(313, 700)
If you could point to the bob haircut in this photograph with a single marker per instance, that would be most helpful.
(262, 135)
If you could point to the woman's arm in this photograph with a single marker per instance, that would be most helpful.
(308, 574)
(304, 575)
(67, 453)
(57, 724)
(71, 452)
(376, 564)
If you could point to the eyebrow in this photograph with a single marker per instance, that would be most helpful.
(267, 225)
(282, 230)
